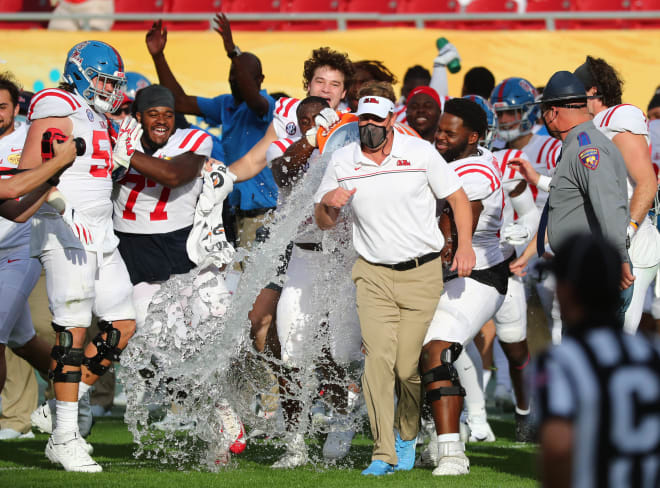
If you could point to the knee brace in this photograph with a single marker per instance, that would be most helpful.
(445, 372)
(65, 354)
(105, 348)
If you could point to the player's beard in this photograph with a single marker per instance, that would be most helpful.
(454, 153)
(4, 127)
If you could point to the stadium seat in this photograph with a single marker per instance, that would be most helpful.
(491, 6)
(540, 6)
(190, 7)
(251, 7)
(308, 6)
(137, 6)
(371, 6)
(601, 6)
(430, 7)
(651, 5)
(15, 6)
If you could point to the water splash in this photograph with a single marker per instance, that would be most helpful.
(194, 352)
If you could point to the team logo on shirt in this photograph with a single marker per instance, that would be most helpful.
(290, 128)
(590, 158)
(90, 115)
(403, 162)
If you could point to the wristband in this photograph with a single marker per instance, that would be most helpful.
(634, 223)
(234, 53)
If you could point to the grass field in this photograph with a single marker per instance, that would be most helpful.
(23, 464)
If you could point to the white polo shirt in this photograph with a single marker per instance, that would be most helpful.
(394, 207)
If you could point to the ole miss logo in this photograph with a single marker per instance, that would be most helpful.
(370, 100)
(403, 162)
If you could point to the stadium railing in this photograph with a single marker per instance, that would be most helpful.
(341, 18)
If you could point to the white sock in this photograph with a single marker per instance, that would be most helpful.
(66, 422)
(520, 411)
(82, 389)
(449, 437)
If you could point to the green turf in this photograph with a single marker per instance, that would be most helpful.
(23, 464)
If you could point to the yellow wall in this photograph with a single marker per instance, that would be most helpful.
(199, 61)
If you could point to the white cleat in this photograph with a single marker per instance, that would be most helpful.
(232, 427)
(480, 430)
(6, 434)
(86, 446)
(453, 461)
(295, 455)
(429, 457)
(338, 444)
(43, 418)
(71, 456)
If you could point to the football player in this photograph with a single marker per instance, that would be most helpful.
(84, 270)
(626, 126)
(18, 271)
(466, 303)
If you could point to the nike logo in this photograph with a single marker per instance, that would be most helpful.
(15, 149)
(12, 260)
(357, 169)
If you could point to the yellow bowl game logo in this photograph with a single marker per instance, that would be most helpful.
(590, 158)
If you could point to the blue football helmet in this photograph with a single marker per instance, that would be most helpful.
(134, 82)
(89, 67)
(487, 142)
(519, 95)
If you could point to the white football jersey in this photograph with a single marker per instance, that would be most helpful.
(13, 234)
(285, 120)
(543, 152)
(654, 138)
(86, 184)
(622, 118)
(510, 178)
(277, 148)
(645, 246)
(143, 206)
(482, 181)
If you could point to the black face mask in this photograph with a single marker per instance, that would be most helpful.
(372, 136)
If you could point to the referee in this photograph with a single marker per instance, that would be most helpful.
(598, 392)
(391, 182)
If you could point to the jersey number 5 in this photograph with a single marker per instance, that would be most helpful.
(101, 146)
(140, 183)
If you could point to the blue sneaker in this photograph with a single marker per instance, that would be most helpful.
(378, 468)
(405, 452)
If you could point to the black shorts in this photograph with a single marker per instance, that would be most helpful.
(155, 257)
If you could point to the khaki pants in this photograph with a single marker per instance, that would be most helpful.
(246, 231)
(395, 309)
(20, 394)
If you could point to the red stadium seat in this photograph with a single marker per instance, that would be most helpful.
(15, 6)
(601, 6)
(641, 5)
(308, 6)
(371, 6)
(491, 6)
(250, 7)
(137, 6)
(431, 7)
(539, 6)
(188, 7)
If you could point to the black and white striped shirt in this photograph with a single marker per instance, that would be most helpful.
(607, 384)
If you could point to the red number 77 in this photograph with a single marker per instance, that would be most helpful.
(140, 183)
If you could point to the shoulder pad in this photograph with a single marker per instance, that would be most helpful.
(478, 179)
(285, 107)
(197, 141)
(624, 118)
(52, 102)
(277, 148)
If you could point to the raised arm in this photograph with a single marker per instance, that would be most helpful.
(156, 40)
(243, 65)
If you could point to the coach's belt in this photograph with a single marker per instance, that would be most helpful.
(413, 263)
